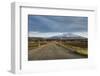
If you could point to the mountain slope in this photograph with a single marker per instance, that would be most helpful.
(67, 35)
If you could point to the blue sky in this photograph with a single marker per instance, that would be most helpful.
(44, 25)
(57, 23)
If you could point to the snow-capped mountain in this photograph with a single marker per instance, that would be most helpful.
(67, 35)
(57, 35)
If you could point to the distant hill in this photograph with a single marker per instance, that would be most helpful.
(67, 36)
(62, 36)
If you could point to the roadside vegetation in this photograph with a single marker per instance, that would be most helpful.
(77, 46)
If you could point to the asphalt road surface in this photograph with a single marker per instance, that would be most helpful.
(52, 51)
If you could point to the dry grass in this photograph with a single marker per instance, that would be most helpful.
(33, 45)
(79, 50)
(78, 46)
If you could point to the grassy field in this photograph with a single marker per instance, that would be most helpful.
(77, 46)
(76, 49)
(34, 45)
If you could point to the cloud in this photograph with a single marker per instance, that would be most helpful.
(39, 34)
(57, 23)
(50, 34)
(83, 34)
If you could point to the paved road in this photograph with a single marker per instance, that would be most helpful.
(52, 51)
